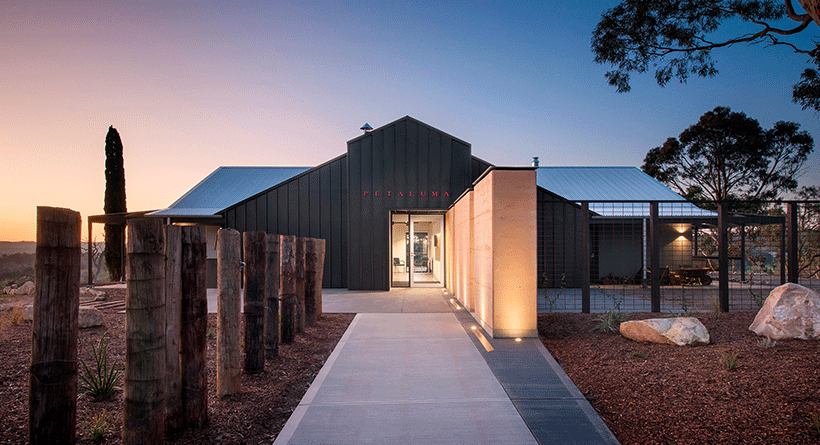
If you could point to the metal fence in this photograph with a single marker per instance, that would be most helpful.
(708, 256)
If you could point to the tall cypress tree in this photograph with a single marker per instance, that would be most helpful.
(114, 202)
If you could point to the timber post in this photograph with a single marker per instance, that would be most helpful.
(53, 380)
(194, 326)
(320, 276)
(314, 265)
(300, 284)
(173, 322)
(287, 249)
(254, 244)
(144, 386)
(229, 277)
(272, 277)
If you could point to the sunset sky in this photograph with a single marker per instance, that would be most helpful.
(192, 86)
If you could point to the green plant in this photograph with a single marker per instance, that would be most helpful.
(552, 299)
(815, 421)
(103, 380)
(716, 312)
(637, 355)
(98, 426)
(610, 321)
(766, 342)
(210, 334)
(757, 297)
(730, 361)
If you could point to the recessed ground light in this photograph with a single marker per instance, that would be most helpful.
(518, 339)
(473, 327)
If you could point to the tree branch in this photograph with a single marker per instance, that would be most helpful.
(793, 15)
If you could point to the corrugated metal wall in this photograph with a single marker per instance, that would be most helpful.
(403, 165)
(313, 204)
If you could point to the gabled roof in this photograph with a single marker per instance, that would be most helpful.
(603, 184)
(226, 186)
(615, 184)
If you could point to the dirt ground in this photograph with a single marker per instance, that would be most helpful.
(256, 415)
(646, 393)
(663, 394)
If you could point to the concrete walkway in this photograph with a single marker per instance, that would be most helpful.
(415, 370)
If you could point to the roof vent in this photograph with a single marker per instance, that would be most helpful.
(366, 128)
(535, 161)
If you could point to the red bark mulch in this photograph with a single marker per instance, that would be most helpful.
(256, 415)
(663, 394)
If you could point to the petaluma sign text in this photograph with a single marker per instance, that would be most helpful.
(409, 194)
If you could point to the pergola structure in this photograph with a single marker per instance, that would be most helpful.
(121, 219)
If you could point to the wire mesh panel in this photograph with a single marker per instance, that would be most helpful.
(623, 239)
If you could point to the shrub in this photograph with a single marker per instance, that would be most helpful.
(98, 427)
(610, 321)
(730, 361)
(102, 381)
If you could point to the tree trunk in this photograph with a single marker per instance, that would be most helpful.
(194, 326)
(229, 356)
(272, 266)
(254, 244)
(287, 249)
(53, 380)
(810, 6)
(173, 322)
(144, 388)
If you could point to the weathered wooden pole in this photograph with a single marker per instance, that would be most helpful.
(320, 275)
(254, 244)
(173, 323)
(144, 388)
(229, 277)
(272, 266)
(287, 249)
(299, 255)
(314, 265)
(194, 326)
(52, 397)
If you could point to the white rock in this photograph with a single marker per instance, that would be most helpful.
(93, 294)
(790, 311)
(673, 331)
(26, 289)
(28, 312)
(89, 317)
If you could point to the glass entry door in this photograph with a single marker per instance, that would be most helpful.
(417, 247)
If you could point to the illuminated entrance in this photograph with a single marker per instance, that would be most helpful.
(417, 250)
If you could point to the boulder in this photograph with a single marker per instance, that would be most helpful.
(90, 317)
(790, 311)
(93, 294)
(672, 331)
(26, 289)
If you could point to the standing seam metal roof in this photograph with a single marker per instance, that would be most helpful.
(226, 186)
(603, 184)
(615, 184)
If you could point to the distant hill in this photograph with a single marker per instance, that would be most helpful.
(11, 247)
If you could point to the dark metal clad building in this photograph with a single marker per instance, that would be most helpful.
(380, 207)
